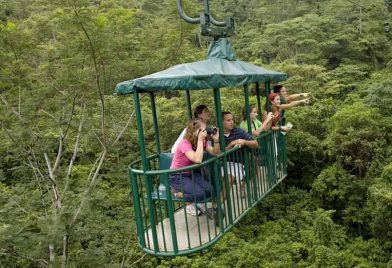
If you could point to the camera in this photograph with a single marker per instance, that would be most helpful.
(211, 130)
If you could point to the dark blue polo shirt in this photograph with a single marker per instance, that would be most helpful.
(235, 134)
(238, 133)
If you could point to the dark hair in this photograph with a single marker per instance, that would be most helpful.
(277, 88)
(225, 113)
(198, 110)
(244, 115)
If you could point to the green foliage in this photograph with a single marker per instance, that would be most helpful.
(380, 202)
(380, 96)
(59, 63)
(354, 125)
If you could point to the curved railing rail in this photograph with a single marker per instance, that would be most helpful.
(239, 177)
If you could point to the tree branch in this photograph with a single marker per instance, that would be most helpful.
(90, 186)
(75, 151)
(27, 212)
(17, 255)
(97, 77)
(52, 178)
(124, 128)
(12, 108)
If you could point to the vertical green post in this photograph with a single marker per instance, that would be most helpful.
(146, 167)
(219, 121)
(267, 92)
(259, 107)
(137, 209)
(171, 215)
(248, 166)
(270, 138)
(155, 122)
(140, 133)
(247, 110)
(188, 104)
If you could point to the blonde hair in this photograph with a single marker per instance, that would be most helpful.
(191, 127)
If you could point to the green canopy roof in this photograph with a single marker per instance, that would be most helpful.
(220, 69)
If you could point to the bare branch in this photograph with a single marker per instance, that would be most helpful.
(51, 174)
(38, 170)
(124, 128)
(17, 255)
(60, 152)
(124, 260)
(73, 112)
(90, 186)
(51, 253)
(12, 108)
(52, 178)
(41, 190)
(97, 75)
(139, 260)
(65, 251)
(12, 138)
(47, 113)
(25, 211)
(75, 151)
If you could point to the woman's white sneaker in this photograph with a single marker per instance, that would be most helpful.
(192, 210)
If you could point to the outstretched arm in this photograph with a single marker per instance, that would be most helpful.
(293, 104)
(294, 97)
(265, 125)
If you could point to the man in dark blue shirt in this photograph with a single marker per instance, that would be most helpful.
(236, 137)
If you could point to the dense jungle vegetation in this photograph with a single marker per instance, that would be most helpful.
(66, 139)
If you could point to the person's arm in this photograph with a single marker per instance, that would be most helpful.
(264, 117)
(294, 97)
(280, 128)
(251, 143)
(265, 125)
(215, 148)
(293, 104)
(197, 156)
(242, 142)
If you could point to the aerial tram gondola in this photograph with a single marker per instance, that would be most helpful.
(163, 226)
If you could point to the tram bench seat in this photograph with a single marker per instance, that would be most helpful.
(165, 160)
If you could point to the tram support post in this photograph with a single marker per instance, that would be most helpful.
(219, 119)
(146, 167)
(155, 122)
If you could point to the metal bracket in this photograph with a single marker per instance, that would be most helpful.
(208, 25)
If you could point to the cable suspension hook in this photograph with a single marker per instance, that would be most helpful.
(207, 22)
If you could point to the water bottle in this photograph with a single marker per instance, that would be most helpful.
(162, 190)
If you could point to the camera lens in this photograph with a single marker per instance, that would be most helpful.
(211, 130)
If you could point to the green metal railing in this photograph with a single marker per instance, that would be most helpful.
(240, 177)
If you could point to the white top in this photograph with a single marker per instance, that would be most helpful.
(179, 139)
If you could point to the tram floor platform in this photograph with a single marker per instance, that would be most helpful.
(195, 231)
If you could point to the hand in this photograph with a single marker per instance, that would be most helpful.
(239, 142)
(201, 135)
(270, 116)
(306, 101)
(285, 128)
(215, 137)
(305, 95)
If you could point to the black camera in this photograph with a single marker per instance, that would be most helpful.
(211, 130)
